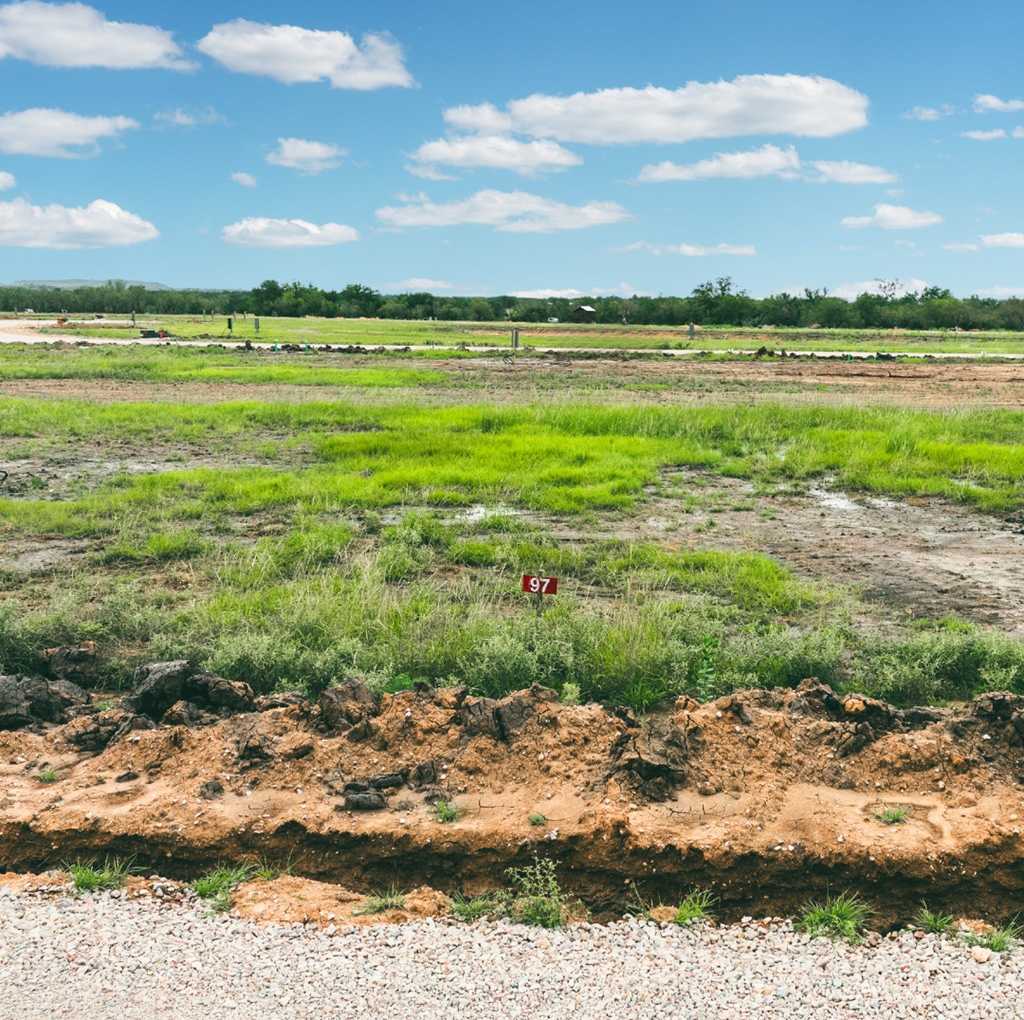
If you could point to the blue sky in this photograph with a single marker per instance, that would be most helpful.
(567, 147)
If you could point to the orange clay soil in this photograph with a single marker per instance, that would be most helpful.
(766, 797)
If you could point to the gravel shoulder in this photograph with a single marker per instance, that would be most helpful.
(99, 957)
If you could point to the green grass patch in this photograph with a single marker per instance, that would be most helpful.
(383, 900)
(696, 906)
(933, 922)
(218, 885)
(92, 876)
(838, 917)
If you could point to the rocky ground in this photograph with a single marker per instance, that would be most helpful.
(102, 956)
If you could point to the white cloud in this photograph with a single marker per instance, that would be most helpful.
(509, 211)
(768, 161)
(496, 152)
(47, 132)
(849, 291)
(7, 181)
(182, 118)
(259, 232)
(692, 250)
(750, 104)
(486, 119)
(928, 113)
(993, 104)
(984, 136)
(428, 173)
(100, 224)
(291, 54)
(422, 283)
(240, 177)
(76, 35)
(1003, 240)
(1002, 292)
(893, 217)
(845, 172)
(961, 246)
(306, 156)
(572, 294)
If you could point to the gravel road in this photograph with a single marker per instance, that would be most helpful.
(98, 957)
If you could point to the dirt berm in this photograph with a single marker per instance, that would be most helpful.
(766, 797)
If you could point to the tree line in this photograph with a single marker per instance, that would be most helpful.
(717, 302)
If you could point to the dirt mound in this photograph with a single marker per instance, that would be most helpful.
(767, 797)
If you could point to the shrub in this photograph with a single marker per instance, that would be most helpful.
(536, 897)
(537, 819)
(893, 814)
(489, 905)
(445, 811)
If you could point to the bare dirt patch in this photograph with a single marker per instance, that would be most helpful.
(765, 797)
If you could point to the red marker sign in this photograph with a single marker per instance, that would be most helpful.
(540, 585)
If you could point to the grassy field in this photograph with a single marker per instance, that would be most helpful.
(291, 544)
(373, 332)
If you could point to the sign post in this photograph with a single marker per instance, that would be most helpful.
(538, 587)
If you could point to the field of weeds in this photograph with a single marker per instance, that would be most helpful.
(295, 542)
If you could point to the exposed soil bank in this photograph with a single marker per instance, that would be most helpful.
(768, 798)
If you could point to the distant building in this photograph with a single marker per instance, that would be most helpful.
(584, 313)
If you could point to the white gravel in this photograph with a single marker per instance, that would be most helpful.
(98, 957)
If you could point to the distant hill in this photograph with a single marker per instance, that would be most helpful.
(75, 284)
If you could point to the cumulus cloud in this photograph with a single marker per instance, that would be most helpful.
(1009, 240)
(767, 161)
(243, 179)
(993, 104)
(291, 54)
(850, 291)
(183, 118)
(496, 152)
(509, 211)
(306, 156)
(7, 181)
(747, 105)
(692, 250)
(893, 217)
(845, 172)
(422, 283)
(985, 136)
(260, 232)
(48, 132)
(100, 224)
(928, 113)
(76, 35)
(961, 246)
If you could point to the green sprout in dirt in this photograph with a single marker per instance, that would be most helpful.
(383, 900)
(91, 876)
(218, 885)
(893, 814)
(932, 922)
(537, 819)
(697, 906)
(837, 917)
(999, 940)
(445, 811)
(537, 898)
(47, 776)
